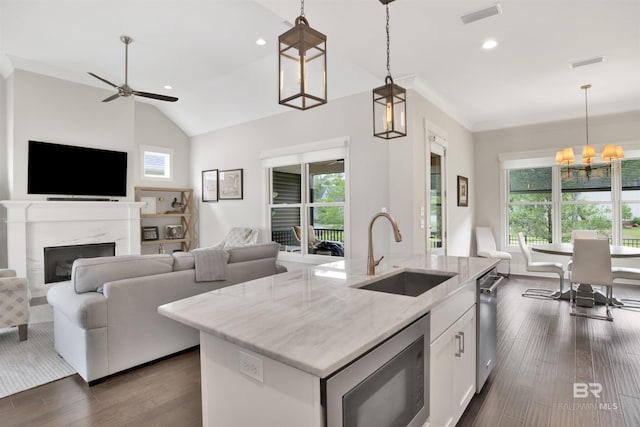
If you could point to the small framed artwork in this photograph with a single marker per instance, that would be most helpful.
(463, 191)
(149, 207)
(149, 233)
(174, 232)
(210, 185)
(230, 184)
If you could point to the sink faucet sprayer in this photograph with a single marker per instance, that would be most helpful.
(371, 262)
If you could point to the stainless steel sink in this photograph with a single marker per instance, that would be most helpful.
(408, 283)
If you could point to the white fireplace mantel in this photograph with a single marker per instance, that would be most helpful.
(33, 225)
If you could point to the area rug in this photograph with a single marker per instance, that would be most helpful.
(30, 363)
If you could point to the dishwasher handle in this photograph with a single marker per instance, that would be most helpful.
(493, 287)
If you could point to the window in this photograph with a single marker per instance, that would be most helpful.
(630, 202)
(156, 163)
(548, 202)
(530, 205)
(586, 200)
(307, 207)
(308, 199)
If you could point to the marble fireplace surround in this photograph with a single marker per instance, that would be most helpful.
(33, 225)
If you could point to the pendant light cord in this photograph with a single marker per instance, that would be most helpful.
(388, 49)
(301, 7)
(586, 113)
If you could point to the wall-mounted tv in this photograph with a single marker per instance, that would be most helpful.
(67, 170)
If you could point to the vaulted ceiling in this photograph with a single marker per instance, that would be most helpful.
(206, 50)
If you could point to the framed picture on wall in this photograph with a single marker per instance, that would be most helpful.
(210, 185)
(463, 191)
(230, 184)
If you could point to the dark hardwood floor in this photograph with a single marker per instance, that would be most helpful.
(542, 351)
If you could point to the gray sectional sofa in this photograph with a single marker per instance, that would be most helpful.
(106, 318)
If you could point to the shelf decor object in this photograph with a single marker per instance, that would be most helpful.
(302, 65)
(149, 205)
(463, 191)
(230, 184)
(389, 101)
(210, 185)
(149, 233)
(173, 213)
(174, 232)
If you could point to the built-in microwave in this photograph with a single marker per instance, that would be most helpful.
(387, 387)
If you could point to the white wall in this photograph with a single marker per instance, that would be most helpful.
(240, 147)
(53, 110)
(459, 158)
(621, 129)
(4, 178)
(382, 173)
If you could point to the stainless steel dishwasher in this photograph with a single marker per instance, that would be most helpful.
(486, 325)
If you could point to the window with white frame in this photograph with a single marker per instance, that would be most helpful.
(548, 202)
(156, 163)
(308, 202)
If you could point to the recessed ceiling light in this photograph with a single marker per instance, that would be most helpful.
(489, 44)
(261, 42)
(168, 87)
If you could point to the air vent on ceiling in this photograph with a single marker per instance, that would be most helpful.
(589, 61)
(481, 14)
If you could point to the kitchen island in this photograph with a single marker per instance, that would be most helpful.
(266, 344)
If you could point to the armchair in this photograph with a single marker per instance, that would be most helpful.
(14, 302)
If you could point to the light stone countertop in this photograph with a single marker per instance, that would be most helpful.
(316, 319)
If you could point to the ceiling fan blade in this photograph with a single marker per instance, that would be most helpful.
(106, 81)
(111, 98)
(155, 96)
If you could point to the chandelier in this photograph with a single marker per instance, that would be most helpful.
(389, 101)
(611, 152)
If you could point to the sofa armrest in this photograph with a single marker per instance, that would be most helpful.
(7, 272)
(14, 284)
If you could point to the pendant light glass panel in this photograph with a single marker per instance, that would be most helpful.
(302, 67)
(389, 111)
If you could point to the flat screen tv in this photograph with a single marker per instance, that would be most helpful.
(67, 170)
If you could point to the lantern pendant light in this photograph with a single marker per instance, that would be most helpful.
(389, 102)
(302, 65)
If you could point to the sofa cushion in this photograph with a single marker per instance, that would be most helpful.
(183, 261)
(248, 253)
(89, 274)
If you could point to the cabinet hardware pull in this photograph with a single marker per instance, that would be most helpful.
(458, 347)
(462, 341)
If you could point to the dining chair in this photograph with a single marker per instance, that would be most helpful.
(591, 266)
(584, 234)
(486, 247)
(540, 266)
(627, 273)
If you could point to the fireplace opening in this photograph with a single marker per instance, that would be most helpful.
(58, 260)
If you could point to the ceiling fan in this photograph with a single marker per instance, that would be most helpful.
(125, 90)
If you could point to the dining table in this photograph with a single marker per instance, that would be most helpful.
(566, 249)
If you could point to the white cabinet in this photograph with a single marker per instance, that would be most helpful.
(453, 370)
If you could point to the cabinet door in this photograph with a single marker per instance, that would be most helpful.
(464, 365)
(440, 371)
